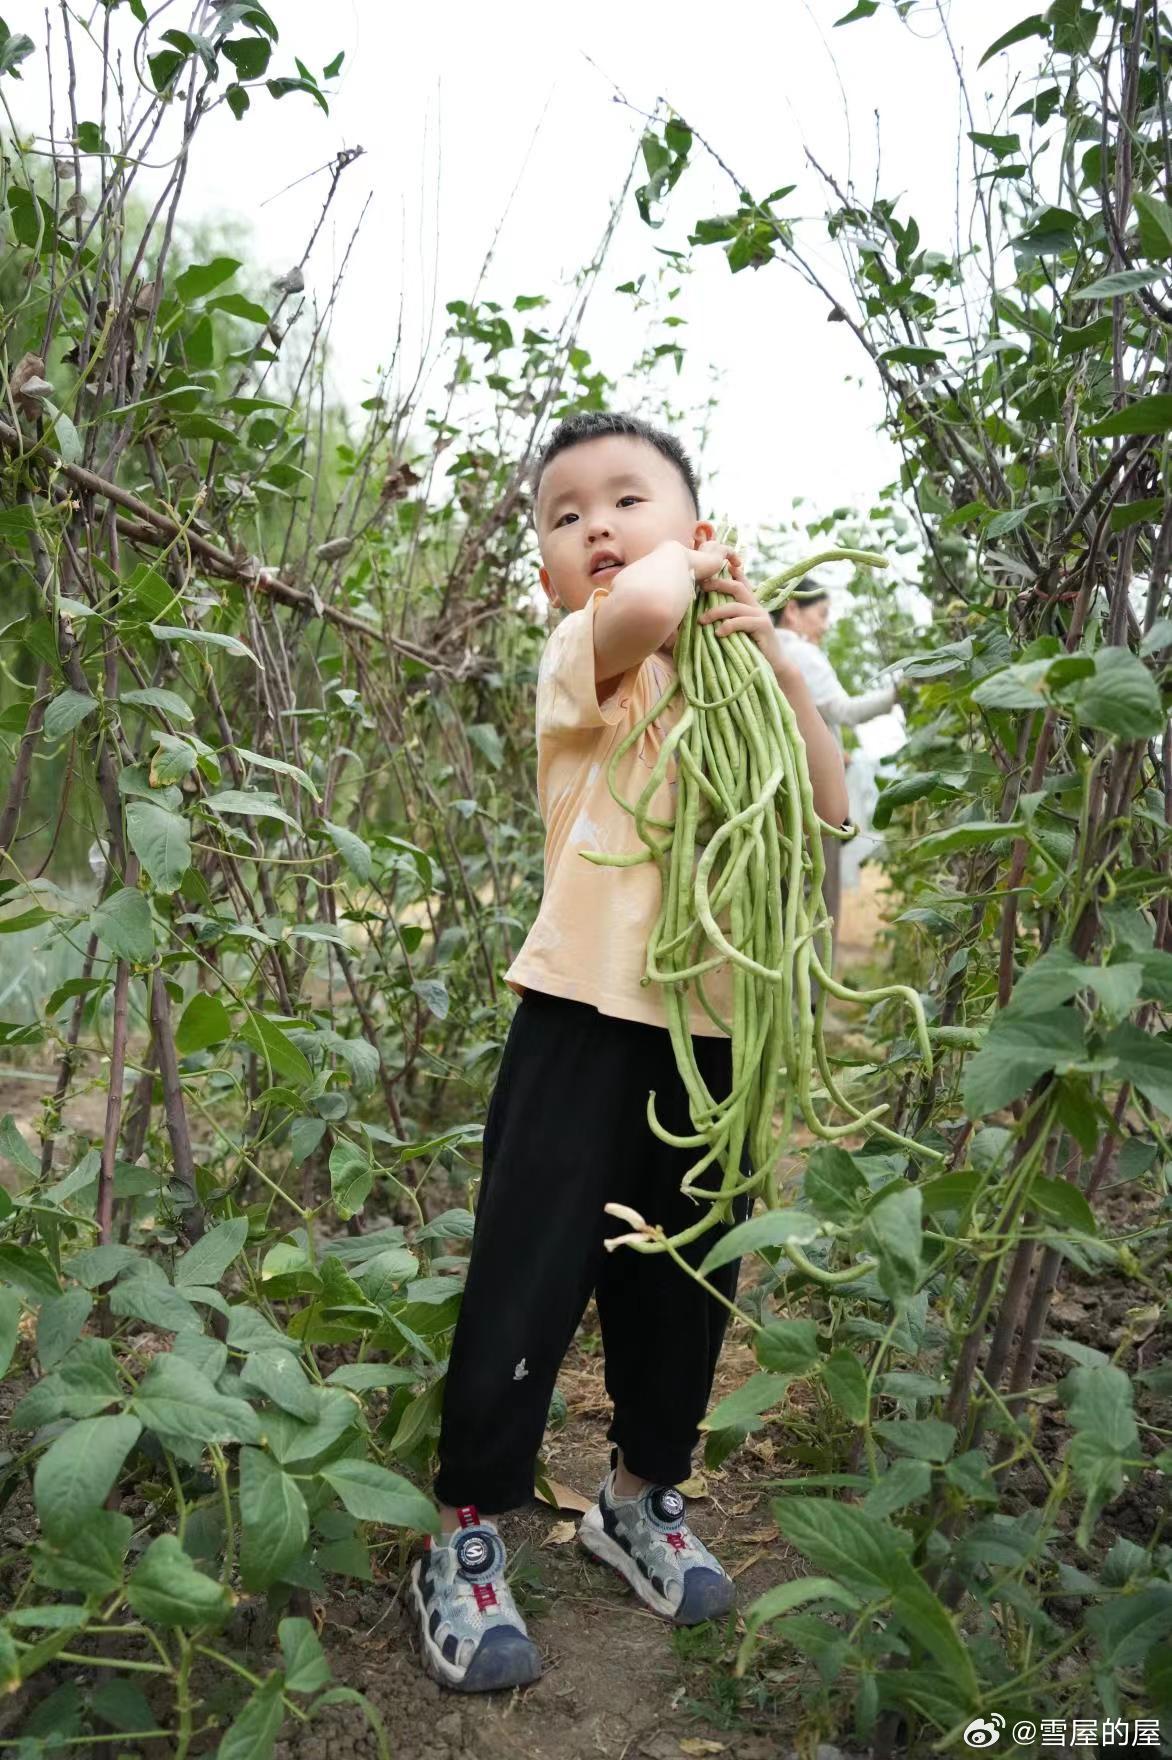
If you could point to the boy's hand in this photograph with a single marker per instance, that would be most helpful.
(744, 613)
(710, 558)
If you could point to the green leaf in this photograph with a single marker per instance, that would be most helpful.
(846, 1383)
(275, 1518)
(487, 740)
(1061, 1202)
(1115, 285)
(271, 1044)
(770, 1229)
(278, 765)
(1016, 1053)
(249, 56)
(123, 923)
(175, 1400)
(869, 1555)
(373, 1494)
(278, 1375)
(66, 711)
(237, 306)
(434, 993)
(783, 1598)
(88, 1559)
(351, 1177)
(1147, 415)
(205, 1021)
(75, 1474)
(905, 1482)
(68, 439)
(168, 632)
(206, 1262)
(1145, 1061)
(363, 1377)
(10, 1327)
(280, 88)
(97, 1265)
(1105, 1449)
(250, 805)
(1052, 980)
(204, 278)
(306, 1667)
(59, 1325)
(294, 1443)
(154, 697)
(1034, 26)
(166, 1589)
(1002, 146)
(174, 759)
(864, 9)
(156, 1302)
(161, 841)
(834, 1185)
(13, 1146)
(1121, 696)
(894, 1229)
(122, 1706)
(907, 354)
(925, 1439)
(14, 47)
(1129, 1626)
(28, 1271)
(1155, 226)
(789, 1347)
(353, 851)
(758, 1394)
(971, 834)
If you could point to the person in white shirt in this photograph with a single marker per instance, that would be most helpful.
(802, 622)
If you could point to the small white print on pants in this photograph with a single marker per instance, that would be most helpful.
(520, 1372)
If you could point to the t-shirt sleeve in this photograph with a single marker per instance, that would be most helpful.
(567, 695)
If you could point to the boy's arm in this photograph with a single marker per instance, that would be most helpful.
(646, 603)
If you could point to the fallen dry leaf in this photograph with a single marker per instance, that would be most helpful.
(561, 1496)
(698, 1745)
(560, 1533)
(695, 1487)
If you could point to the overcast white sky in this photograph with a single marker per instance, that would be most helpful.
(454, 103)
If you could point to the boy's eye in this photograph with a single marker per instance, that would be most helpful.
(565, 516)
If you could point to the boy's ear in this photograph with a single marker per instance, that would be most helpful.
(703, 533)
(547, 586)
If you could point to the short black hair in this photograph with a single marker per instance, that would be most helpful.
(594, 424)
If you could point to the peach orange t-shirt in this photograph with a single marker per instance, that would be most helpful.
(589, 940)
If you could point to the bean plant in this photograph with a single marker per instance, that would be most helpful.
(267, 831)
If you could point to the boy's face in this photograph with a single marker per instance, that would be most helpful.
(608, 501)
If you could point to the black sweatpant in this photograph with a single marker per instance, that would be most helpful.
(566, 1133)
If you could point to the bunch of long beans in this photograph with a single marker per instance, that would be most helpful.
(741, 866)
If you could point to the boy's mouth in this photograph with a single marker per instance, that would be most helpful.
(605, 564)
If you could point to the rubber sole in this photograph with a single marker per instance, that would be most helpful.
(496, 1667)
(706, 1594)
(599, 1546)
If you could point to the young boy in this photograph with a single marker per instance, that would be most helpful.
(623, 552)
